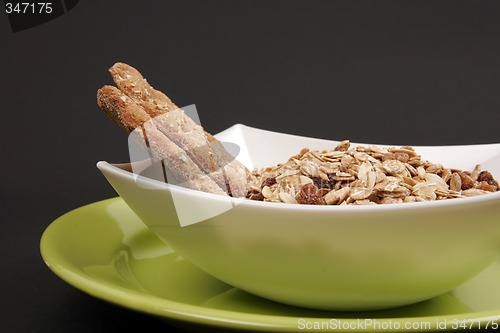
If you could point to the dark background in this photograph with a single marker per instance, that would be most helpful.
(395, 72)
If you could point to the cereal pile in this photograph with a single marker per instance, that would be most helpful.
(365, 175)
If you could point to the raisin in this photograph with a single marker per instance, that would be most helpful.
(485, 176)
(467, 181)
(321, 183)
(268, 182)
(309, 195)
(257, 196)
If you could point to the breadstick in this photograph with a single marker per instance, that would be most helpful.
(127, 114)
(205, 150)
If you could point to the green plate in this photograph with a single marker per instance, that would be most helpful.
(106, 251)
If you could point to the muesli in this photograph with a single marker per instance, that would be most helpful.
(363, 175)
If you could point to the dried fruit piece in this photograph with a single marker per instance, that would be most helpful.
(269, 181)
(467, 181)
(309, 195)
(486, 176)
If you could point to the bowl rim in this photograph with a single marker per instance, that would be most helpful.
(243, 128)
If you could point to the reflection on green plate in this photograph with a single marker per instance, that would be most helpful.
(106, 251)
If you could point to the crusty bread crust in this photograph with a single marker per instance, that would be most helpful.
(121, 109)
(133, 84)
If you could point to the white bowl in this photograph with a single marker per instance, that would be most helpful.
(325, 257)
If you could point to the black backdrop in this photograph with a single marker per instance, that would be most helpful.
(395, 72)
